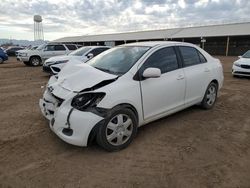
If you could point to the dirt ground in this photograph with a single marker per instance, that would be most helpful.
(193, 148)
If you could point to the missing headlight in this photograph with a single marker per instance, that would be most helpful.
(86, 100)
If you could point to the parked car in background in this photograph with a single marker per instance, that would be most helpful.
(241, 67)
(39, 55)
(11, 51)
(54, 65)
(128, 86)
(3, 56)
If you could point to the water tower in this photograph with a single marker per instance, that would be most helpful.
(38, 28)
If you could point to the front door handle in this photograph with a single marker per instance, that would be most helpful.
(180, 77)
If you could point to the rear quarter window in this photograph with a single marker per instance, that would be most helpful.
(191, 56)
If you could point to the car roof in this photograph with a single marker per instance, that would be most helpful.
(156, 43)
(97, 46)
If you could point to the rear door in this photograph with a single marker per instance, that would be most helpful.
(60, 50)
(160, 95)
(197, 72)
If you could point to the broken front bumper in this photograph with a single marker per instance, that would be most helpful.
(71, 125)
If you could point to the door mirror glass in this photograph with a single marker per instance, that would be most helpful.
(90, 55)
(151, 73)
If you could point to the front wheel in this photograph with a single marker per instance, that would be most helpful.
(35, 61)
(1, 60)
(118, 130)
(210, 96)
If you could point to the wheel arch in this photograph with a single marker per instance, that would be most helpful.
(35, 56)
(93, 132)
(214, 81)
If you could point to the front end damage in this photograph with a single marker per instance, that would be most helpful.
(71, 125)
(68, 120)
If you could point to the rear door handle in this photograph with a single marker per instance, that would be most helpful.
(180, 77)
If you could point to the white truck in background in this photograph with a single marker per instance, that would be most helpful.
(36, 57)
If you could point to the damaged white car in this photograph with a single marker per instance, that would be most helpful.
(125, 87)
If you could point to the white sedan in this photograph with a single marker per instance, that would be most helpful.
(55, 64)
(126, 87)
(241, 67)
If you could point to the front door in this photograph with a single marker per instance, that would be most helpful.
(166, 93)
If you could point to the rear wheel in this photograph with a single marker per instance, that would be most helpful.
(118, 130)
(35, 61)
(210, 96)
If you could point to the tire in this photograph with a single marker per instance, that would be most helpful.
(1, 60)
(210, 96)
(26, 63)
(35, 61)
(118, 129)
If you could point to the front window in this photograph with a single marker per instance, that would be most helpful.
(41, 47)
(118, 60)
(247, 54)
(80, 51)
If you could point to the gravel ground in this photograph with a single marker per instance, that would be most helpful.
(193, 148)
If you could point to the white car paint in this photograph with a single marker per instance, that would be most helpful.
(57, 63)
(241, 67)
(152, 98)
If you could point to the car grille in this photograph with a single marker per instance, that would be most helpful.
(238, 72)
(245, 66)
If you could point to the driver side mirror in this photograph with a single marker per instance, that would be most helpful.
(151, 73)
(240, 56)
(90, 56)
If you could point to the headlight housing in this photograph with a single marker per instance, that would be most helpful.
(86, 100)
(22, 54)
(237, 64)
(62, 61)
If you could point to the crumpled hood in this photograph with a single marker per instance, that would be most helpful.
(243, 61)
(86, 77)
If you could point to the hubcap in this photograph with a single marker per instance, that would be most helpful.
(211, 95)
(35, 61)
(119, 129)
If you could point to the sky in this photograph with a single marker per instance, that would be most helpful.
(63, 18)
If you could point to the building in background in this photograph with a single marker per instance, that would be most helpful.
(224, 39)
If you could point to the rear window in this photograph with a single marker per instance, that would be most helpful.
(71, 47)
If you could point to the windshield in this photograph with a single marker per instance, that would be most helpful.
(80, 52)
(247, 54)
(118, 60)
(41, 47)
